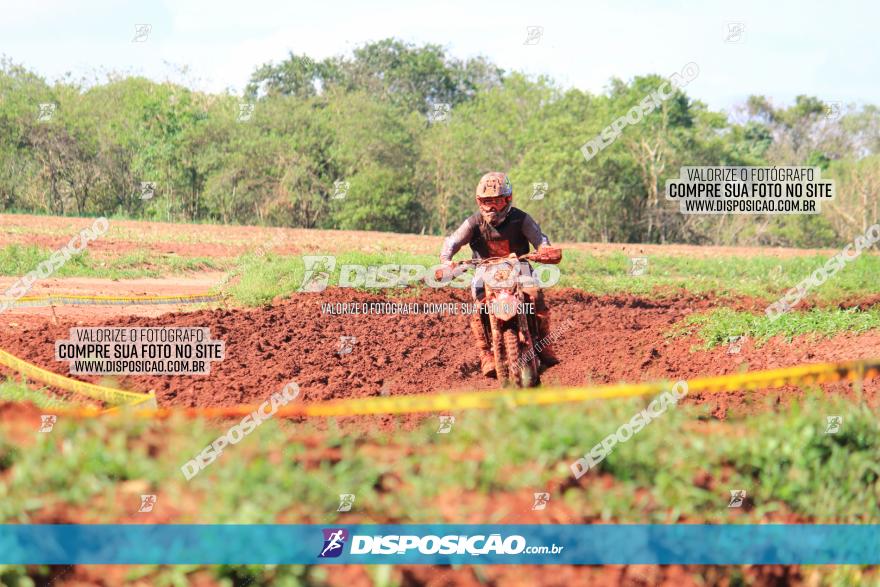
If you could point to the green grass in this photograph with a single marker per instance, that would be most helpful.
(261, 279)
(782, 458)
(716, 326)
(762, 277)
(17, 260)
(258, 279)
(18, 391)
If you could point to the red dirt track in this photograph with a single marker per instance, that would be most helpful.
(613, 339)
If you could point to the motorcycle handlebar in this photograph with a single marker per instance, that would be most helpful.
(476, 262)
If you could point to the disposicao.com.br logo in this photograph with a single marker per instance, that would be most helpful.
(334, 542)
(393, 544)
(321, 271)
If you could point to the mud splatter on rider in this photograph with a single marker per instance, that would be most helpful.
(498, 230)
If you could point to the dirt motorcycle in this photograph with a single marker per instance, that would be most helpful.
(509, 328)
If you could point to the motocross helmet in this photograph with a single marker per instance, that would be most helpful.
(494, 197)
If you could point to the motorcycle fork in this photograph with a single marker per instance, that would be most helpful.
(500, 367)
(529, 331)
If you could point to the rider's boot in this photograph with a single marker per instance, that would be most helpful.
(487, 359)
(548, 357)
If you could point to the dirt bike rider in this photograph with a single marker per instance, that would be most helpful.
(499, 230)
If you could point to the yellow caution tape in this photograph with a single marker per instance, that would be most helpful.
(98, 392)
(59, 300)
(482, 400)
(146, 402)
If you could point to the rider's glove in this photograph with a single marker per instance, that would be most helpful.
(443, 271)
(548, 254)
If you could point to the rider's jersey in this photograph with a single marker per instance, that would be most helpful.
(511, 236)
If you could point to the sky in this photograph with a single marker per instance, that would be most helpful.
(776, 49)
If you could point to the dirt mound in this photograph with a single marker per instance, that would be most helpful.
(604, 339)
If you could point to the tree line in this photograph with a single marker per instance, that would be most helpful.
(394, 138)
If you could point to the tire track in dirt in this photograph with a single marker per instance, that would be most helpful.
(613, 339)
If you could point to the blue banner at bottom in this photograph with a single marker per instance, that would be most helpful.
(441, 544)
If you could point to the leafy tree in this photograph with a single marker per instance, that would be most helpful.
(412, 77)
(367, 120)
